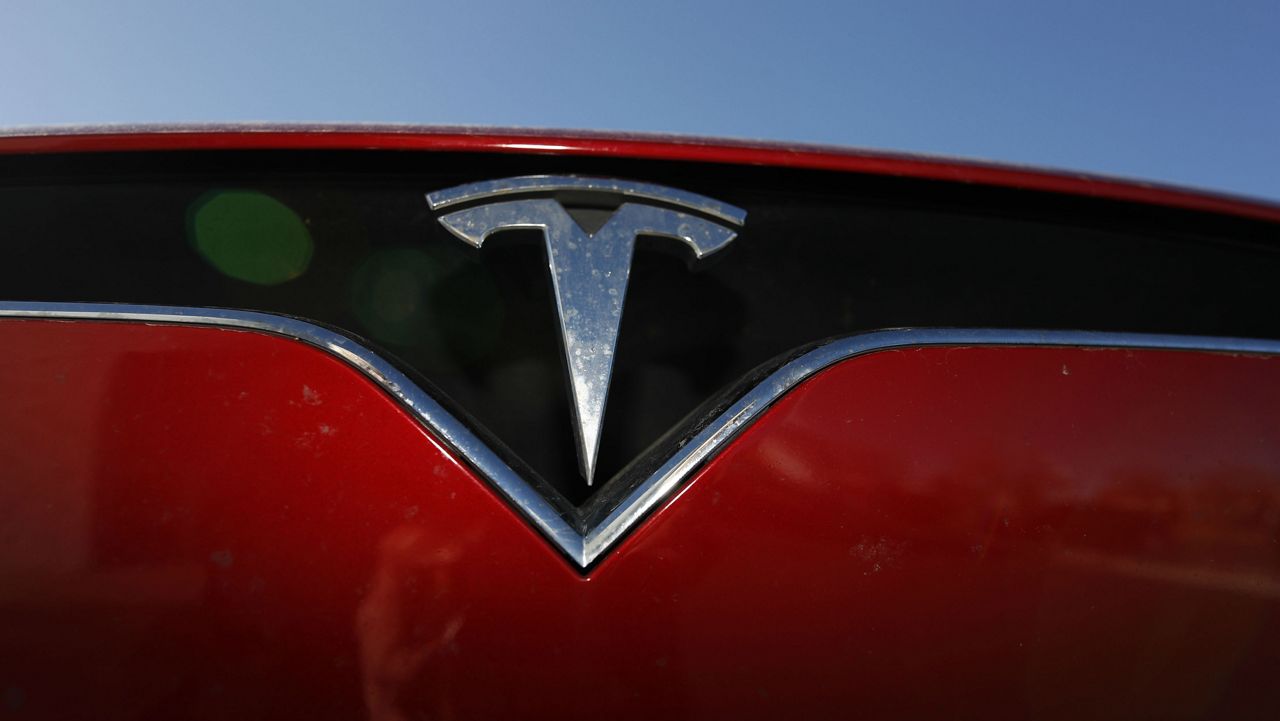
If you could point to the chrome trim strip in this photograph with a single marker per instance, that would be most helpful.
(707, 443)
(549, 183)
(537, 509)
(603, 536)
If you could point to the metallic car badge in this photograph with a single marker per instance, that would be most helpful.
(589, 271)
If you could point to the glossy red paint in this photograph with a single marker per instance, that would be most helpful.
(655, 147)
(203, 523)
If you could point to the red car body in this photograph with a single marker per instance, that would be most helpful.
(211, 522)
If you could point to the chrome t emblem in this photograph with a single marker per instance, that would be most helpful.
(589, 271)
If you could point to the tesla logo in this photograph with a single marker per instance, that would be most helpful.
(589, 271)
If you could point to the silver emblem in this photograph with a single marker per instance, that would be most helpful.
(589, 271)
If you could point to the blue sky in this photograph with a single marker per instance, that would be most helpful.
(1179, 92)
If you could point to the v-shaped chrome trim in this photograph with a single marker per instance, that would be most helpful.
(586, 548)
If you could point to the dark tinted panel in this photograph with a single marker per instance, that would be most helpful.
(347, 239)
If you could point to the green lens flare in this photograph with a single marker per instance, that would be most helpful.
(250, 236)
(392, 294)
(433, 308)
